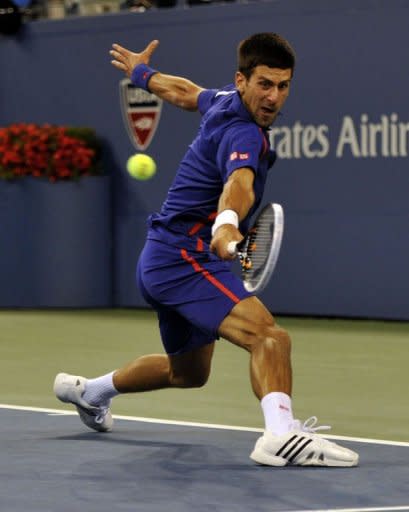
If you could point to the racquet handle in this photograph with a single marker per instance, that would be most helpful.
(232, 248)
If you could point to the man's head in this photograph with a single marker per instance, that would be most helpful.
(265, 67)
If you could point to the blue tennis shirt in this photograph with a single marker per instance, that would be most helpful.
(190, 287)
(228, 139)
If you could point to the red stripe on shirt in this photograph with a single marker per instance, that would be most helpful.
(265, 143)
(199, 225)
(199, 245)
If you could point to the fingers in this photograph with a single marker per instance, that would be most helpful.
(119, 65)
(151, 48)
(224, 251)
(120, 49)
(119, 53)
(232, 248)
(117, 61)
(125, 60)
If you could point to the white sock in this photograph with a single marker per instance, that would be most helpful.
(278, 414)
(99, 391)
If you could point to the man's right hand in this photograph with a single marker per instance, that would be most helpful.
(225, 234)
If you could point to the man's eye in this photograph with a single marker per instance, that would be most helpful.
(283, 86)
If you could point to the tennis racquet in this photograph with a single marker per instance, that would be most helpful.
(258, 251)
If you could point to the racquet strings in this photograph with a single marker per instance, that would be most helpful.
(257, 247)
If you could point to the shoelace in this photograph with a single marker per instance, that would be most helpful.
(309, 425)
(100, 416)
(97, 411)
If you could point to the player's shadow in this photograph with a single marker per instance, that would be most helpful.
(179, 457)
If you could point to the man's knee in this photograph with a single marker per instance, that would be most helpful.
(189, 380)
(250, 325)
(279, 335)
(191, 369)
(272, 337)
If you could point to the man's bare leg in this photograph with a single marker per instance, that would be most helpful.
(92, 397)
(285, 440)
(251, 326)
(159, 371)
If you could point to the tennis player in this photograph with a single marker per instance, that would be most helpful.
(184, 269)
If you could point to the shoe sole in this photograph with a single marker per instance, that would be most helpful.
(330, 463)
(63, 393)
(265, 459)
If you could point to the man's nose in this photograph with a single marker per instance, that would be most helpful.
(273, 94)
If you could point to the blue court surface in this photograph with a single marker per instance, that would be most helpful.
(50, 462)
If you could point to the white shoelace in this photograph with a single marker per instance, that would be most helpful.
(102, 412)
(309, 425)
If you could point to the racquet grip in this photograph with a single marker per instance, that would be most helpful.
(232, 248)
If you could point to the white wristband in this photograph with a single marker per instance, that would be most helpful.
(225, 217)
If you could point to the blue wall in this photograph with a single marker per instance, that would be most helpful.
(343, 140)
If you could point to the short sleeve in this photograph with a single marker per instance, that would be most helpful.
(205, 100)
(240, 146)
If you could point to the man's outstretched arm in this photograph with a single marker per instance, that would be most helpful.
(174, 89)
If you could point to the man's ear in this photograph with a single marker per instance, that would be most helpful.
(240, 81)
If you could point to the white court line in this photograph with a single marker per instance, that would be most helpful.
(63, 412)
(369, 509)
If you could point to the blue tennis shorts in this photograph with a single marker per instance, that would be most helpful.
(191, 289)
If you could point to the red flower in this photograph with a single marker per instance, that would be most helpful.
(54, 152)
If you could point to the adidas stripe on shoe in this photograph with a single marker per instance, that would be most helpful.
(301, 447)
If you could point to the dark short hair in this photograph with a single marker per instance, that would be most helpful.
(265, 49)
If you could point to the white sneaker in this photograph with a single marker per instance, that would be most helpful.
(302, 447)
(69, 389)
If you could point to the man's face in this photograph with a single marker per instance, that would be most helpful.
(264, 93)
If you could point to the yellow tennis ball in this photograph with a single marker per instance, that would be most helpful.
(141, 166)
